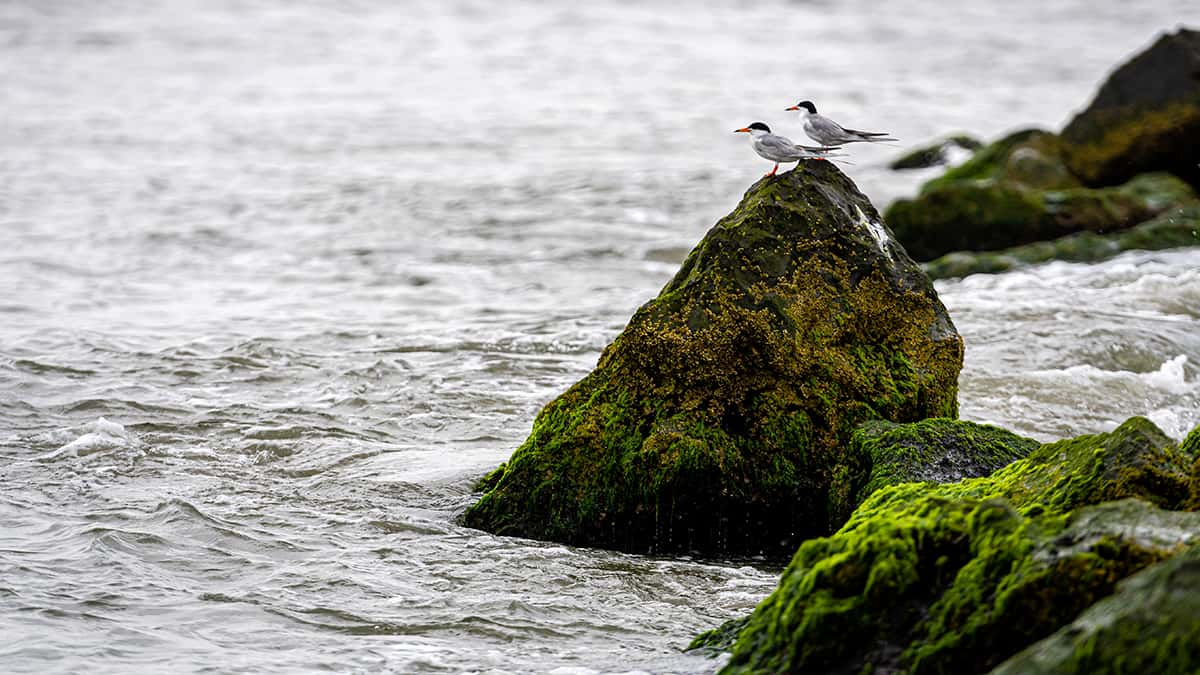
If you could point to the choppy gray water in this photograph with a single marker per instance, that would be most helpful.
(281, 279)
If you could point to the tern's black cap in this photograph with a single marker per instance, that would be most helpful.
(807, 105)
(760, 126)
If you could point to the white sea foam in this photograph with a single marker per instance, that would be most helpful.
(956, 154)
(1170, 377)
(94, 437)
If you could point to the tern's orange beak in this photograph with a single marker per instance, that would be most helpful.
(745, 129)
(795, 107)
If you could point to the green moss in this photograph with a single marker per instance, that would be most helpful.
(984, 216)
(1151, 624)
(489, 481)
(946, 586)
(1109, 146)
(1029, 158)
(967, 216)
(719, 639)
(1177, 227)
(1190, 449)
(955, 578)
(715, 422)
(1134, 460)
(933, 450)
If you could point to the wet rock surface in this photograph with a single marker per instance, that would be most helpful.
(987, 214)
(716, 423)
(935, 450)
(1173, 228)
(1145, 117)
(959, 577)
(1132, 154)
(1151, 624)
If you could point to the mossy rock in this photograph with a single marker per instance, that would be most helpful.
(716, 421)
(935, 154)
(1190, 447)
(1151, 624)
(958, 577)
(719, 639)
(934, 450)
(1145, 117)
(990, 215)
(1134, 460)
(1174, 228)
(1031, 158)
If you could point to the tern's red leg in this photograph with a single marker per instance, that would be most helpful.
(773, 170)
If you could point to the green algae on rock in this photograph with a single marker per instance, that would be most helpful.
(1030, 158)
(715, 422)
(1134, 460)
(1175, 228)
(936, 450)
(986, 215)
(1145, 117)
(1190, 448)
(958, 577)
(1110, 169)
(1151, 624)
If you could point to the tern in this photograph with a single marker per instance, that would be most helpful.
(827, 132)
(779, 149)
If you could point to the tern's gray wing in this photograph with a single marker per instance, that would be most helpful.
(826, 130)
(786, 145)
(776, 148)
(780, 144)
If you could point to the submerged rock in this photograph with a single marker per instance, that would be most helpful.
(958, 577)
(1146, 117)
(946, 151)
(1150, 625)
(716, 422)
(1177, 227)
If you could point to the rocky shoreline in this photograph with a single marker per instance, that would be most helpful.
(1131, 156)
(714, 424)
(791, 394)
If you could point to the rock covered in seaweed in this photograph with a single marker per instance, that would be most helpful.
(1030, 158)
(1128, 157)
(1146, 117)
(936, 450)
(959, 212)
(1150, 625)
(716, 421)
(959, 577)
(1175, 228)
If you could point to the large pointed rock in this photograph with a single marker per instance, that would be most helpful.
(1146, 117)
(717, 421)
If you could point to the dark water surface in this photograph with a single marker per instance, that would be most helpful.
(280, 280)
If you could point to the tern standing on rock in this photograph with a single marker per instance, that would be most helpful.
(779, 149)
(827, 132)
